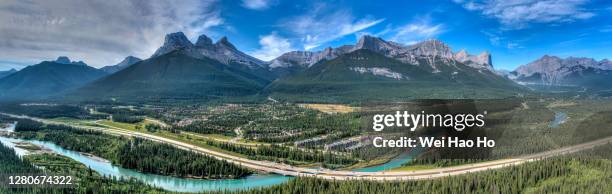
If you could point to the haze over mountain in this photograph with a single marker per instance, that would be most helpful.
(571, 71)
(129, 60)
(7, 72)
(46, 79)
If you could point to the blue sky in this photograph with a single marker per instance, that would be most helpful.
(103, 32)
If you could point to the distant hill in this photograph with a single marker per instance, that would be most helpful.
(365, 74)
(174, 75)
(6, 73)
(577, 72)
(129, 60)
(47, 79)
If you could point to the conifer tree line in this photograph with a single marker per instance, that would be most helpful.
(88, 180)
(286, 154)
(587, 172)
(152, 157)
(133, 153)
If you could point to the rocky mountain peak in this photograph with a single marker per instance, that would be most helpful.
(377, 44)
(301, 58)
(129, 60)
(552, 70)
(126, 62)
(66, 60)
(177, 39)
(63, 60)
(173, 41)
(544, 65)
(222, 51)
(548, 58)
(462, 55)
(367, 41)
(484, 58)
(555, 68)
(432, 47)
(204, 41)
(225, 43)
(4, 73)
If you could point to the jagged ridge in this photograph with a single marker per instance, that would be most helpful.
(408, 54)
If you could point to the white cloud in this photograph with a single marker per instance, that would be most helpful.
(272, 46)
(497, 39)
(99, 32)
(605, 29)
(322, 25)
(513, 45)
(418, 30)
(519, 14)
(421, 29)
(494, 38)
(257, 4)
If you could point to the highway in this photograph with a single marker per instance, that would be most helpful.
(284, 169)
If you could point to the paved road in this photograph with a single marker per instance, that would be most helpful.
(284, 169)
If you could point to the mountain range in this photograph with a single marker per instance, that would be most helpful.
(572, 71)
(375, 69)
(47, 78)
(174, 76)
(297, 60)
(222, 51)
(371, 69)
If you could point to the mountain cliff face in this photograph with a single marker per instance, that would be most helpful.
(222, 51)
(366, 74)
(172, 42)
(429, 50)
(483, 60)
(552, 70)
(47, 79)
(129, 60)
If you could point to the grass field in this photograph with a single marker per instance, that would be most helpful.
(330, 108)
(413, 167)
(375, 162)
(126, 126)
(182, 137)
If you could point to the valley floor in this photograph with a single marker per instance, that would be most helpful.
(234, 134)
(284, 169)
